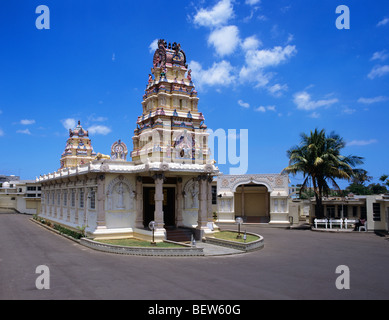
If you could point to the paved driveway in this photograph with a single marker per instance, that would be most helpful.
(294, 264)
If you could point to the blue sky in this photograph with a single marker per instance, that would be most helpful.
(275, 68)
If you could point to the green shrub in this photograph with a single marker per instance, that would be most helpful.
(71, 233)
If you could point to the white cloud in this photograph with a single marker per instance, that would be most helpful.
(221, 73)
(243, 104)
(348, 110)
(99, 129)
(94, 118)
(276, 90)
(69, 123)
(290, 38)
(373, 100)
(361, 142)
(26, 131)
(216, 16)
(271, 108)
(380, 55)
(251, 43)
(258, 60)
(378, 71)
(260, 109)
(314, 115)
(224, 40)
(27, 121)
(1, 133)
(303, 101)
(247, 74)
(383, 22)
(265, 108)
(252, 2)
(153, 46)
(266, 58)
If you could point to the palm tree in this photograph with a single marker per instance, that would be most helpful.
(361, 177)
(318, 158)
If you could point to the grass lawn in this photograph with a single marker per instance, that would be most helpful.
(138, 243)
(230, 235)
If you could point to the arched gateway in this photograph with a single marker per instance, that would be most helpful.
(255, 197)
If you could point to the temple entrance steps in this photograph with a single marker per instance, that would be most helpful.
(256, 219)
(178, 234)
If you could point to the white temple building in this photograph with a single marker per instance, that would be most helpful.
(169, 177)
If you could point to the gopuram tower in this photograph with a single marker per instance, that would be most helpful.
(171, 137)
(78, 150)
(170, 129)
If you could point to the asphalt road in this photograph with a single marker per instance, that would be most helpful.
(294, 264)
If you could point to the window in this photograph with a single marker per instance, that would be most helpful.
(31, 188)
(65, 198)
(92, 199)
(376, 212)
(81, 204)
(214, 194)
(58, 199)
(331, 211)
(73, 198)
(345, 211)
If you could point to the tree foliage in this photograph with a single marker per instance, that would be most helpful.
(319, 159)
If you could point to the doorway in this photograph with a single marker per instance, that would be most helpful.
(169, 216)
(251, 201)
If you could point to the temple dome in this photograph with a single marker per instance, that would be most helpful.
(78, 131)
(169, 55)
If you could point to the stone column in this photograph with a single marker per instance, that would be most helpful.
(101, 223)
(180, 199)
(139, 203)
(202, 215)
(68, 195)
(349, 211)
(158, 213)
(242, 201)
(55, 195)
(209, 199)
(85, 208)
(61, 204)
(77, 205)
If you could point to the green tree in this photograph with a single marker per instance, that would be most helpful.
(318, 158)
(385, 179)
(358, 183)
(359, 189)
(377, 188)
(361, 177)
